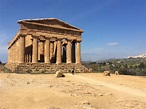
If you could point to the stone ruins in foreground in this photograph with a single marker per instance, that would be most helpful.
(45, 46)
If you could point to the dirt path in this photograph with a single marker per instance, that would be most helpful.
(123, 89)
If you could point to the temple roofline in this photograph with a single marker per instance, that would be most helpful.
(39, 19)
(63, 28)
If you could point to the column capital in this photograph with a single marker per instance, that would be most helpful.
(53, 39)
(70, 40)
(22, 35)
(59, 39)
(79, 40)
(47, 38)
(34, 35)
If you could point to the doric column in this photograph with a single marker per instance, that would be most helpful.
(69, 51)
(35, 50)
(59, 51)
(78, 52)
(47, 50)
(21, 49)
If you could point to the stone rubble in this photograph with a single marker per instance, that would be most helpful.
(84, 105)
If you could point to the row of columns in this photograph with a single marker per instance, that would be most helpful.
(49, 48)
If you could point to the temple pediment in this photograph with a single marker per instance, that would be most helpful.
(50, 22)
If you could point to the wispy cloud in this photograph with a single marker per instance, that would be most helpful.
(113, 43)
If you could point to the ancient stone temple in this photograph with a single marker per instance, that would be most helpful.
(45, 42)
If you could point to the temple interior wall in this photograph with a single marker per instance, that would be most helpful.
(41, 51)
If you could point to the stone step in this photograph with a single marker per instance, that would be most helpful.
(47, 68)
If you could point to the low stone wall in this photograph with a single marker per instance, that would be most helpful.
(11, 66)
(4, 69)
(36, 68)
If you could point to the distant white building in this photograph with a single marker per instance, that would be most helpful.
(139, 56)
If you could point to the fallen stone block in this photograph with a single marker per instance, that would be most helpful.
(59, 74)
(106, 73)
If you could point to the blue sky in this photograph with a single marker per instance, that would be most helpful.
(112, 28)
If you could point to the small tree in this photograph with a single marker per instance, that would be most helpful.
(141, 65)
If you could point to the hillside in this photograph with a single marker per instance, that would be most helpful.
(127, 66)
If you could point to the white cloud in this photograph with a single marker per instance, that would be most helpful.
(112, 43)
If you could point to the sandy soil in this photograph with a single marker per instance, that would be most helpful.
(89, 91)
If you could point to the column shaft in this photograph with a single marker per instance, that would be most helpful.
(59, 51)
(21, 49)
(78, 52)
(47, 51)
(69, 51)
(35, 51)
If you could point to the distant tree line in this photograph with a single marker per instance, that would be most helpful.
(123, 66)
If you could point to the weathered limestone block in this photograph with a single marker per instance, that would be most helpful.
(106, 73)
(59, 74)
(52, 107)
(116, 73)
(84, 105)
